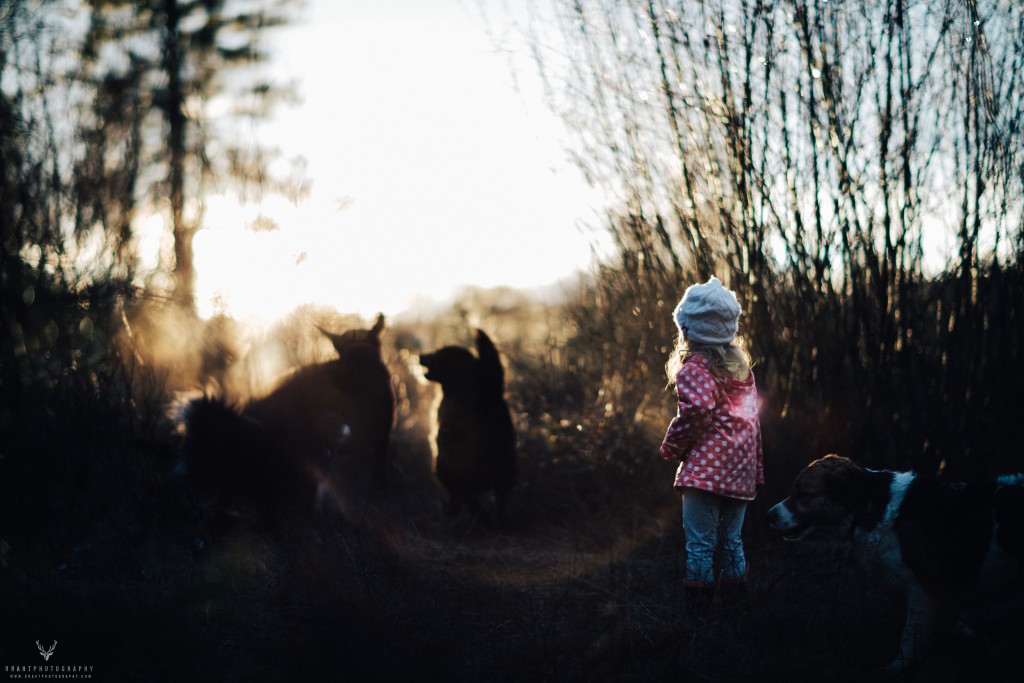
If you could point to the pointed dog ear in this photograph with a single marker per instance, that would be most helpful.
(378, 326)
(337, 340)
(492, 375)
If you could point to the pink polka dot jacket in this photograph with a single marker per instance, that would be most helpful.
(716, 433)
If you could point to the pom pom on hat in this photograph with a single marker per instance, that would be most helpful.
(709, 312)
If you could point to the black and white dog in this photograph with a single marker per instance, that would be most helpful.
(955, 550)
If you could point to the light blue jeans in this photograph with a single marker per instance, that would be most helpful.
(711, 521)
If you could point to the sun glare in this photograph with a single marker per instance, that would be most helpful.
(360, 264)
(430, 169)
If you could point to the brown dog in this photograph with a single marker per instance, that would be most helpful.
(276, 452)
(476, 440)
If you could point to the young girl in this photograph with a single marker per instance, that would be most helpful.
(716, 436)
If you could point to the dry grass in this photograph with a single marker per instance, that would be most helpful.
(111, 557)
(396, 589)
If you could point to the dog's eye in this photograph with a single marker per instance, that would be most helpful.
(801, 497)
(803, 489)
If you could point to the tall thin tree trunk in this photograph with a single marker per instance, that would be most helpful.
(184, 275)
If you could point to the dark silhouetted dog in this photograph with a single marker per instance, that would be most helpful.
(275, 455)
(476, 441)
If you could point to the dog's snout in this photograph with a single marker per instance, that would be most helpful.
(778, 516)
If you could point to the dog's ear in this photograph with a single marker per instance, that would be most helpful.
(378, 326)
(492, 375)
(855, 489)
(1008, 505)
(337, 340)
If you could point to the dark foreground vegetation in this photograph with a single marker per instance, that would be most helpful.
(107, 551)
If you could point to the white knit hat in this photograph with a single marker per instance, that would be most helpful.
(709, 312)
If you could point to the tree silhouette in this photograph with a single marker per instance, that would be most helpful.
(170, 58)
(91, 92)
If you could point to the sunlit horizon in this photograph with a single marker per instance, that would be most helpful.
(433, 167)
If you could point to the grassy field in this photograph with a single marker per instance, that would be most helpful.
(106, 551)
(579, 589)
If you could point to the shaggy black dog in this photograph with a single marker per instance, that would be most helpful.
(274, 455)
(476, 441)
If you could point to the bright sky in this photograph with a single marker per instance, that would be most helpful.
(431, 169)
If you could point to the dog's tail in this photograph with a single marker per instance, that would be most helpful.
(212, 428)
(226, 450)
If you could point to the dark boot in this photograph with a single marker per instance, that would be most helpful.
(698, 601)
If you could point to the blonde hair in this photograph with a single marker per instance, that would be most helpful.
(725, 361)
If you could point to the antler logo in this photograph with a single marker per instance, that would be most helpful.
(46, 653)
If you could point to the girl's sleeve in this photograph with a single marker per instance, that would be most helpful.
(698, 396)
